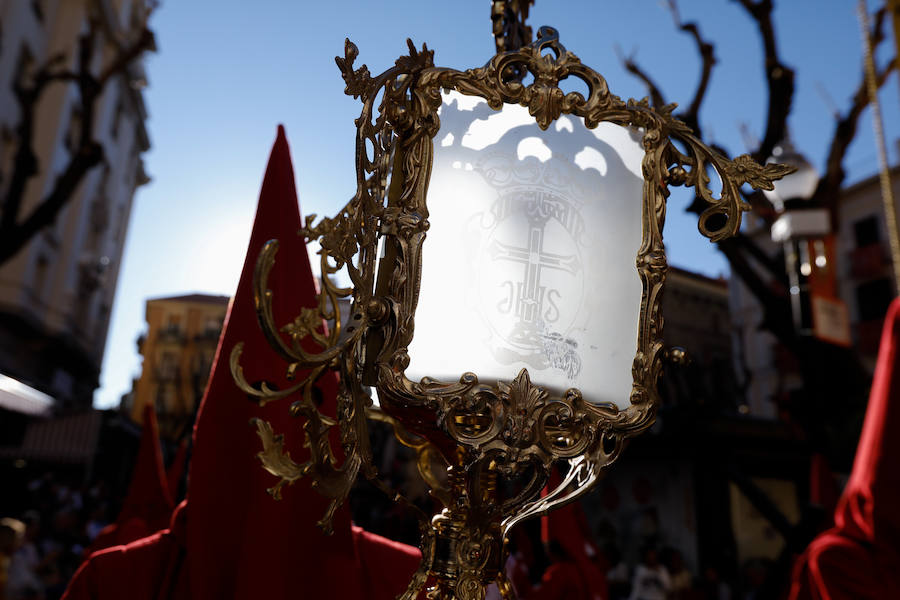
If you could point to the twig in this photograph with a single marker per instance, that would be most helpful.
(779, 78)
(656, 97)
(708, 57)
(828, 190)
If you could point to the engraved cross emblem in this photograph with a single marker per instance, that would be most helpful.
(529, 295)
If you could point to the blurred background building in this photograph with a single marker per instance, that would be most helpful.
(866, 276)
(178, 350)
(56, 293)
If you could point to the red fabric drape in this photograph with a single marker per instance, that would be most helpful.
(148, 504)
(859, 557)
(569, 526)
(151, 568)
(385, 566)
(230, 538)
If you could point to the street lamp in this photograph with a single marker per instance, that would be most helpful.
(802, 228)
(505, 251)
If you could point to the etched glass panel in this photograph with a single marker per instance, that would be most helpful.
(530, 258)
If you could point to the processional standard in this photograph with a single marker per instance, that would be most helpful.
(519, 226)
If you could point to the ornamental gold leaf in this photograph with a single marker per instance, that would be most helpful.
(309, 321)
(524, 397)
(274, 459)
(416, 60)
(358, 81)
(760, 177)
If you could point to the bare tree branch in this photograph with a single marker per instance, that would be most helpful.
(708, 57)
(146, 42)
(774, 301)
(774, 266)
(779, 78)
(656, 97)
(828, 190)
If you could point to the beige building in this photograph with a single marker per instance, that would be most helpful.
(865, 275)
(178, 350)
(56, 294)
(696, 318)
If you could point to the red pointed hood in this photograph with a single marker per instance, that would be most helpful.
(229, 539)
(569, 527)
(242, 543)
(148, 504)
(868, 509)
(148, 495)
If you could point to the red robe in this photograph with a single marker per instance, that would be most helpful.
(148, 506)
(859, 558)
(561, 581)
(568, 526)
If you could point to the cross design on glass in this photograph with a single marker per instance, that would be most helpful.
(530, 295)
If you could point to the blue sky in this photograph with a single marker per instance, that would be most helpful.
(229, 71)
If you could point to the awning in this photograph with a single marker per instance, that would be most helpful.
(18, 397)
(71, 439)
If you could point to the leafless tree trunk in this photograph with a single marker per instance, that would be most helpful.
(17, 229)
(832, 376)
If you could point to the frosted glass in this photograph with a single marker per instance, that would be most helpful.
(530, 258)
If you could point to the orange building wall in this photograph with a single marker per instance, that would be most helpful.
(178, 349)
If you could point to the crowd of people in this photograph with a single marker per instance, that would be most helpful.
(659, 575)
(42, 545)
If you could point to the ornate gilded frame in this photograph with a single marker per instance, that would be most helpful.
(512, 430)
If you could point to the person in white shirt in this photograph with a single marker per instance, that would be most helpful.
(651, 579)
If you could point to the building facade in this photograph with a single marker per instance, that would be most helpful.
(178, 350)
(57, 292)
(865, 274)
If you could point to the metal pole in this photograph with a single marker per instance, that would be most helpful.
(887, 195)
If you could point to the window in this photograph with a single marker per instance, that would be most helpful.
(873, 299)
(865, 232)
(168, 366)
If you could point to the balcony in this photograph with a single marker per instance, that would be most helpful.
(209, 335)
(171, 334)
(869, 261)
(166, 372)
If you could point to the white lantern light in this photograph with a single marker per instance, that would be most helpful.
(800, 184)
(531, 252)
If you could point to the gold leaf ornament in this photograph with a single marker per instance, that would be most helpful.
(275, 459)
(760, 177)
